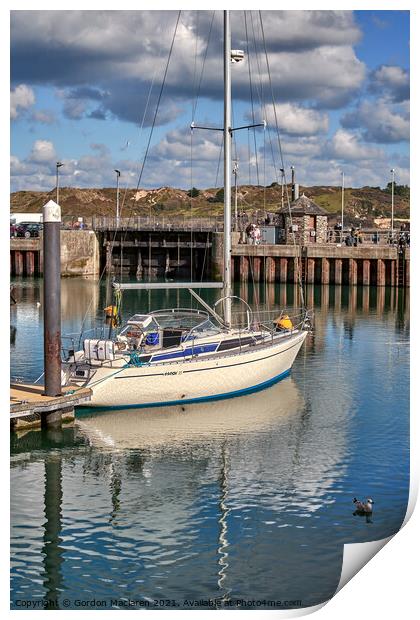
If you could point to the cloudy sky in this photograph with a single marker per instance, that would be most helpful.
(85, 87)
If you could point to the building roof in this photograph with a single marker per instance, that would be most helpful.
(304, 206)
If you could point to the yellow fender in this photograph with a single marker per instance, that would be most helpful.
(283, 322)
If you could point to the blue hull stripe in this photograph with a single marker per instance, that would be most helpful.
(189, 401)
(208, 348)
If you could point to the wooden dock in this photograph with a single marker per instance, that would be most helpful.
(30, 407)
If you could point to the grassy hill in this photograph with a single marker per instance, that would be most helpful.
(362, 204)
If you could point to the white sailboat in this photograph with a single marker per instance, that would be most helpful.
(177, 356)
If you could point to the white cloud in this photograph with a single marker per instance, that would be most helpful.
(45, 117)
(43, 152)
(176, 145)
(296, 120)
(392, 81)
(21, 98)
(347, 146)
(120, 53)
(318, 161)
(379, 121)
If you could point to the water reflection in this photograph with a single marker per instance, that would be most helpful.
(223, 531)
(152, 480)
(169, 427)
(52, 549)
(245, 498)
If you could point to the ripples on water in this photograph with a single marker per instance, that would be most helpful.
(249, 498)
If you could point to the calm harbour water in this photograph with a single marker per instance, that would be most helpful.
(246, 502)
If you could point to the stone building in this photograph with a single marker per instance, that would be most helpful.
(309, 222)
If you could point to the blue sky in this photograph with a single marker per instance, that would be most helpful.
(83, 82)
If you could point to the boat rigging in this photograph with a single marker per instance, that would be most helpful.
(182, 355)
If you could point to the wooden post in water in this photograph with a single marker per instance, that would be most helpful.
(256, 268)
(244, 268)
(310, 271)
(325, 271)
(352, 272)
(380, 278)
(30, 263)
(393, 275)
(407, 272)
(270, 269)
(52, 298)
(283, 270)
(366, 272)
(18, 263)
(338, 271)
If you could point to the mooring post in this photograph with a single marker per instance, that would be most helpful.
(52, 298)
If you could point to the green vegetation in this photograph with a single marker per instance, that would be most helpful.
(219, 196)
(399, 190)
(363, 204)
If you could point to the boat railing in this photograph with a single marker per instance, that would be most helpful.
(264, 320)
(72, 342)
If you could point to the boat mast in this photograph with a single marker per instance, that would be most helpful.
(227, 137)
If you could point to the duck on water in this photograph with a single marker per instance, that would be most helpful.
(363, 508)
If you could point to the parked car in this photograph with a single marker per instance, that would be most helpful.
(27, 229)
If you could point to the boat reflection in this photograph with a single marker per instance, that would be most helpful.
(149, 428)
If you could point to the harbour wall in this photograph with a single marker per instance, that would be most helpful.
(80, 254)
(199, 255)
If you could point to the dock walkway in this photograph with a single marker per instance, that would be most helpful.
(30, 407)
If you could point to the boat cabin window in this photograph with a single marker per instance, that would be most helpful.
(131, 331)
(171, 337)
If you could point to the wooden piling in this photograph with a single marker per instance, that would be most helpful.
(338, 271)
(18, 263)
(30, 263)
(270, 269)
(325, 271)
(407, 272)
(393, 273)
(244, 268)
(352, 272)
(256, 268)
(283, 270)
(380, 273)
(310, 270)
(366, 272)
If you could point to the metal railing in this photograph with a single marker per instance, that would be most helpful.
(153, 224)
(367, 236)
(350, 237)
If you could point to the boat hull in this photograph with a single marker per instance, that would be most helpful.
(193, 381)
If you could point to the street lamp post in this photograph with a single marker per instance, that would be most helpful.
(57, 191)
(392, 203)
(342, 207)
(118, 196)
(235, 172)
(282, 188)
